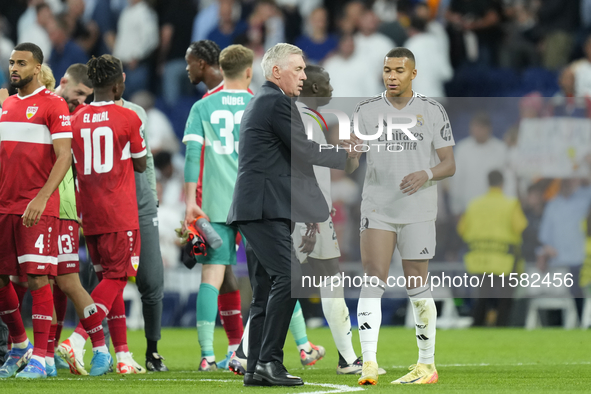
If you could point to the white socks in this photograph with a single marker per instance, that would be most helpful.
(369, 316)
(40, 360)
(245, 338)
(425, 314)
(337, 315)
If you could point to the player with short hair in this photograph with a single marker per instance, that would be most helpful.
(211, 136)
(150, 274)
(322, 250)
(35, 155)
(108, 146)
(67, 277)
(399, 206)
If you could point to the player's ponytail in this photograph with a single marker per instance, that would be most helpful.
(103, 71)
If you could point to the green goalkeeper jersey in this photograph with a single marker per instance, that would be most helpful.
(211, 159)
(68, 197)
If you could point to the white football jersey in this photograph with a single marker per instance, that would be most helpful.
(390, 160)
(322, 173)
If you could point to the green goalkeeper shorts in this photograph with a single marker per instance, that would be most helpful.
(225, 254)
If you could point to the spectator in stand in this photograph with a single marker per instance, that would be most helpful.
(561, 232)
(85, 34)
(351, 13)
(317, 43)
(476, 156)
(228, 28)
(6, 47)
(175, 35)
(372, 47)
(266, 21)
(137, 38)
(29, 30)
(558, 20)
(582, 72)
(479, 23)
(346, 71)
(159, 129)
(431, 62)
(99, 13)
(396, 29)
(533, 209)
(434, 27)
(518, 50)
(206, 20)
(564, 102)
(65, 51)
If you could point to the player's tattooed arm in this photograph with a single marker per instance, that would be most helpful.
(62, 148)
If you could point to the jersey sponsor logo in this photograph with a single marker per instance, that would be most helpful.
(65, 120)
(31, 111)
(135, 262)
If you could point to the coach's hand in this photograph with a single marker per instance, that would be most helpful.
(193, 212)
(34, 211)
(412, 183)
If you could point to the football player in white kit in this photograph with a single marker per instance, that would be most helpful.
(323, 254)
(399, 206)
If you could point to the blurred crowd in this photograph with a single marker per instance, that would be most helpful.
(531, 48)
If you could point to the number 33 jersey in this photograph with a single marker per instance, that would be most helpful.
(106, 138)
(211, 159)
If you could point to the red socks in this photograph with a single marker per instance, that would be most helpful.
(117, 324)
(230, 307)
(10, 314)
(60, 303)
(93, 327)
(42, 315)
(103, 296)
(20, 292)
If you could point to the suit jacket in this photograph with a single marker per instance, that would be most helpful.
(275, 174)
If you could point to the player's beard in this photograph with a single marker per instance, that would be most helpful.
(72, 105)
(21, 83)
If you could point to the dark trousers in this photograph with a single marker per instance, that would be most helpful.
(493, 297)
(269, 255)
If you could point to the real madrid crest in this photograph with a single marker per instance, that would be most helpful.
(31, 111)
(420, 120)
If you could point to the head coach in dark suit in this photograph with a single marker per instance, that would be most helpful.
(275, 187)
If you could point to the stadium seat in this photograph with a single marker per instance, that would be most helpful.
(586, 315)
(567, 305)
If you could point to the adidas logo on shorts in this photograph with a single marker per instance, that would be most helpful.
(424, 251)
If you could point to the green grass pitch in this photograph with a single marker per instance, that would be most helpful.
(468, 361)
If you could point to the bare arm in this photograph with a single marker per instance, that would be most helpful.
(140, 164)
(447, 167)
(62, 148)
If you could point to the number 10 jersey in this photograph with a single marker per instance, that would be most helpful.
(106, 138)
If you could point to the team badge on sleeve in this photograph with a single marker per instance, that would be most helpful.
(31, 111)
(135, 262)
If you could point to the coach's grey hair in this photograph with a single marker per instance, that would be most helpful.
(277, 56)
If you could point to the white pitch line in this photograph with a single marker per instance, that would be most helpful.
(334, 388)
(500, 365)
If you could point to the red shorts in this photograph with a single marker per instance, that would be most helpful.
(115, 255)
(67, 248)
(30, 250)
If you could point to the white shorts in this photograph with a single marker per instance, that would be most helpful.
(327, 246)
(415, 241)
